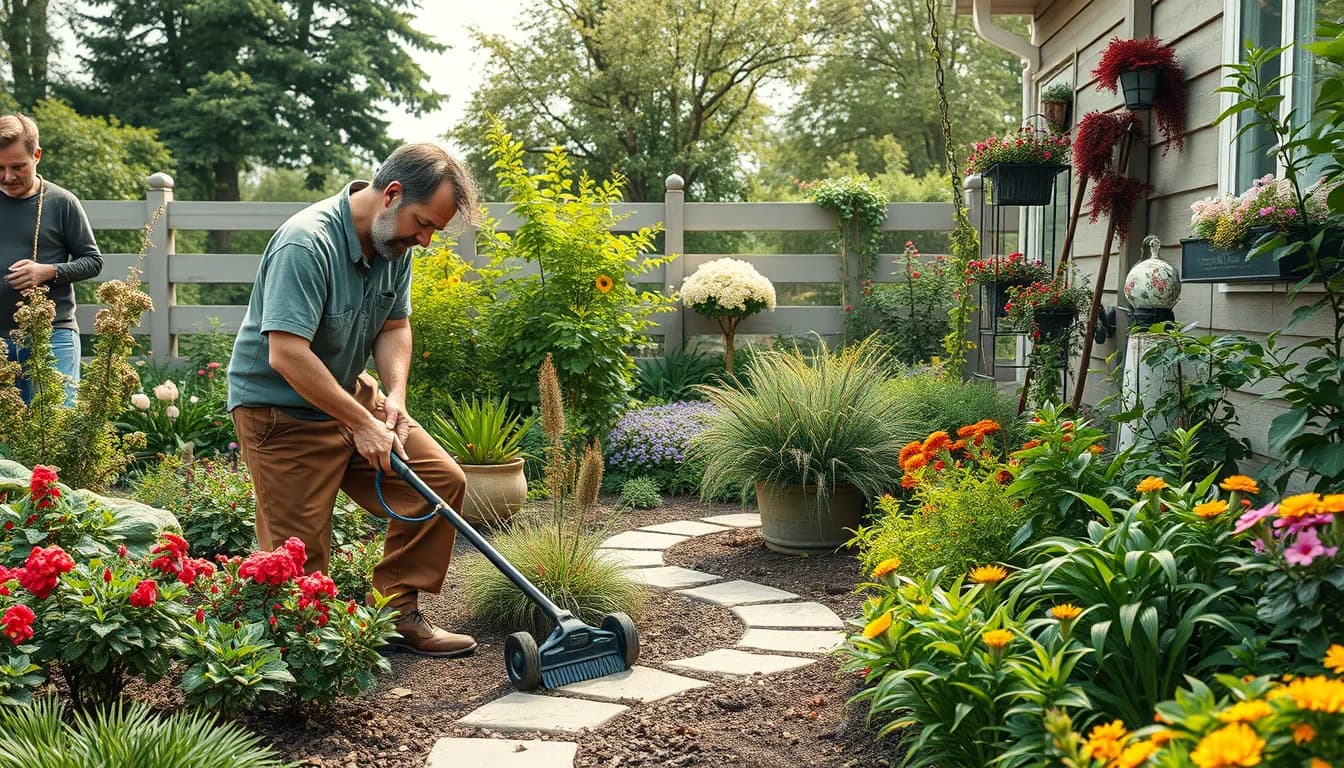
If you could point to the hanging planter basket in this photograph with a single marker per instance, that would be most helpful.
(1140, 87)
(998, 295)
(1023, 183)
(1054, 325)
(1056, 114)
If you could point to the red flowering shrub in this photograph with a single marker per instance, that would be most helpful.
(1026, 146)
(275, 567)
(18, 623)
(145, 594)
(1013, 269)
(1169, 104)
(43, 568)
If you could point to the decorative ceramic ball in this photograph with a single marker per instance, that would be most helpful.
(1152, 283)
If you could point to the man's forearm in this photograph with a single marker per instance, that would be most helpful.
(392, 357)
(293, 359)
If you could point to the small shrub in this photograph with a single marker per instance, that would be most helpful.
(451, 358)
(179, 410)
(44, 736)
(929, 401)
(676, 374)
(909, 317)
(641, 493)
(212, 499)
(230, 668)
(352, 565)
(655, 443)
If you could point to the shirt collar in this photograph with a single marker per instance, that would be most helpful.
(352, 244)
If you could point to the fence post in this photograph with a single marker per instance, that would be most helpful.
(162, 239)
(674, 229)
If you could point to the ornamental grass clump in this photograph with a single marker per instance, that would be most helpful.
(655, 443)
(821, 422)
(728, 290)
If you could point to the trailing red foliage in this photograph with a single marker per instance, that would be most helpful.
(1095, 140)
(1169, 104)
(1117, 195)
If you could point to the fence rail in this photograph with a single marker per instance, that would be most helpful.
(164, 269)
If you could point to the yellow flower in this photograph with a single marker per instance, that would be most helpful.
(1239, 483)
(1334, 659)
(1151, 484)
(1233, 745)
(1163, 737)
(1103, 743)
(886, 566)
(988, 574)
(877, 626)
(1246, 711)
(997, 639)
(1066, 612)
(1301, 505)
(425, 354)
(1303, 733)
(603, 283)
(1317, 762)
(1136, 754)
(1114, 731)
(1095, 449)
(1211, 508)
(453, 281)
(1318, 694)
(1333, 503)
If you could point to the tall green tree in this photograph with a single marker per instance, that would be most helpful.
(876, 82)
(27, 48)
(646, 88)
(233, 84)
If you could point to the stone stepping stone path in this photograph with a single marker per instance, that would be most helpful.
(776, 620)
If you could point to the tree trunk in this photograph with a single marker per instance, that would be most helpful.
(729, 327)
(226, 188)
(28, 44)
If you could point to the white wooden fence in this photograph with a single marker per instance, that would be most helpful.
(165, 269)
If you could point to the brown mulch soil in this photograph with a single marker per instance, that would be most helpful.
(795, 718)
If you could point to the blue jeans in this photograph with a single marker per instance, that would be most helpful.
(66, 349)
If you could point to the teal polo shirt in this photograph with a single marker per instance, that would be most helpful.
(313, 282)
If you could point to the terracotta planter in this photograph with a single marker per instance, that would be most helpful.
(793, 523)
(1056, 114)
(494, 492)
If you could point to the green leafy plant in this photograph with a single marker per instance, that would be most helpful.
(907, 316)
(822, 422)
(230, 669)
(481, 431)
(211, 498)
(641, 493)
(1058, 92)
(1049, 312)
(191, 418)
(860, 208)
(579, 306)
(81, 440)
(552, 546)
(352, 565)
(674, 375)
(933, 400)
(1063, 453)
(44, 736)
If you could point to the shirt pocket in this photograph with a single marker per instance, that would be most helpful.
(333, 332)
(382, 307)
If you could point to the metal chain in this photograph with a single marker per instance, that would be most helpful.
(37, 225)
(939, 79)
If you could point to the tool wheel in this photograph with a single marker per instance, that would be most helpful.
(523, 661)
(620, 625)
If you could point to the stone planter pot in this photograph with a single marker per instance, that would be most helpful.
(792, 522)
(1022, 183)
(494, 492)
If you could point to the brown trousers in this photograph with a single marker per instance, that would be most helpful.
(297, 465)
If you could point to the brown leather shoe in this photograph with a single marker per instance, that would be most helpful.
(419, 636)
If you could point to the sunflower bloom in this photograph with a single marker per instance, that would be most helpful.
(1151, 485)
(886, 566)
(1334, 659)
(988, 574)
(877, 626)
(1235, 745)
(1303, 733)
(1239, 483)
(1246, 711)
(1211, 509)
(453, 281)
(997, 639)
(603, 283)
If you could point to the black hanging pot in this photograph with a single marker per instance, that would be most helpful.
(1140, 87)
(1022, 183)
(999, 294)
(1053, 325)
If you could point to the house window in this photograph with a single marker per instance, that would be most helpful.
(1266, 24)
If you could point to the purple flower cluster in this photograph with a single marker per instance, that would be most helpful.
(656, 437)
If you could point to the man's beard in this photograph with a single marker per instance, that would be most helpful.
(384, 235)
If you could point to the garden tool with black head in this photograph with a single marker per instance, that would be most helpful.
(574, 651)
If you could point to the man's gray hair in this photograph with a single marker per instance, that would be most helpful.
(421, 169)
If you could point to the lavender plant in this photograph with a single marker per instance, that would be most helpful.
(654, 442)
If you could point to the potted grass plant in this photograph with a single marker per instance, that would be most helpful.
(813, 436)
(486, 441)
(1021, 167)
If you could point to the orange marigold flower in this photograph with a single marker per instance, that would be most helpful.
(988, 574)
(936, 442)
(1211, 508)
(997, 638)
(1151, 484)
(1333, 503)
(1234, 745)
(909, 481)
(916, 461)
(1246, 711)
(603, 283)
(987, 426)
(886, 566)
(1103, 743)
(877, 626)
(1095, 449)
(910, 449)
(966, 431)
(1030, 444)
(1066, 612)
(956, 445)
(1334, 659)
(1303, 733)
(1317, 762)
(1239, 483)
(1301, 505)
(1163, 737)
(1317, 694)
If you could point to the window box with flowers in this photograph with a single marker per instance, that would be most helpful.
(1226, 231)
(1048, 312)
(1021, 168)
(1000, 274)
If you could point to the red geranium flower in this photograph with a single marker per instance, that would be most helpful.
(146, 593)
(18, 623)
(43, 568)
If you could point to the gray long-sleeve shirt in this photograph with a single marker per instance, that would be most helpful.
(65, 240)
